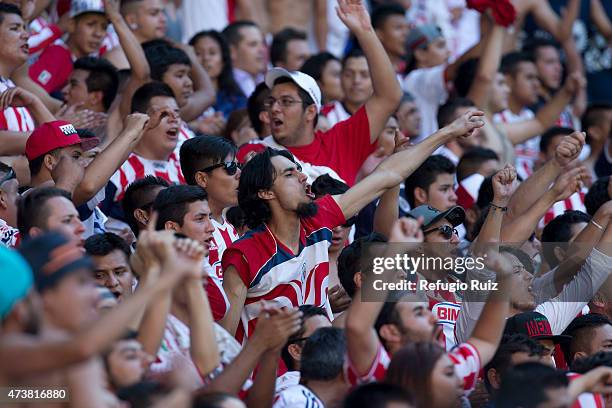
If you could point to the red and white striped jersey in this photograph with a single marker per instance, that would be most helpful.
(272, 272)
(184, 134)
(137, 167)
(586, 399)
(223, 237)
(15, 119)
(573, 202)
(110, 41)
(467, 190)
(526, 152)
(42, 34)
(465, 357)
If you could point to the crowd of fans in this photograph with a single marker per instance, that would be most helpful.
(189, 189)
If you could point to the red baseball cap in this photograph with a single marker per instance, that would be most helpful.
(55, 135)
(245, 150)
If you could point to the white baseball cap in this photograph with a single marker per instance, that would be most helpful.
(78, 7)
(304, 81)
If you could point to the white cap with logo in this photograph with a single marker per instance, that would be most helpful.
(78, 7)
(304, 81)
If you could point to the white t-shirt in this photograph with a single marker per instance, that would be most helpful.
(297, 396)
(560, 310)
(428, 87)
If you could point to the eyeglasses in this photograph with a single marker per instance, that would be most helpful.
(285, 102)
(230, 167)
(9, 176)
(446, 231)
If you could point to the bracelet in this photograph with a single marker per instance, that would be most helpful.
(597, 225)
(497, 207)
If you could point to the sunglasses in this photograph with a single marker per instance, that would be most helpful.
(230, 167)
(9, 176)
(446, 231)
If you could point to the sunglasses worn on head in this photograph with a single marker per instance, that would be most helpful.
(230, 167)
(446, 231)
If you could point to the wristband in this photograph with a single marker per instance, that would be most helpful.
(597, 225)
(497, 207)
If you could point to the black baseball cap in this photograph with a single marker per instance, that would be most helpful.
(535, 326)
(455, 215)
(52, 256)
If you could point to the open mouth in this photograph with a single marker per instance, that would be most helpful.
(276, 123)
(172, 133)
(25, 48)
(309, 193)
(207, 242)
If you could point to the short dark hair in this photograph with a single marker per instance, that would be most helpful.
(521, 255)
(102, 77)
(446, 112)
(308, 311)
(7, 8)
(593, 115)
(236, 217)
(32, 208)
(323, 355)
(502, 360)
(381, 13)
(105, 243)
(466, 72)
(559, 229)
(349, 261)
(586, 364)
(485, 193)
(354, 53)
(426, 175)
(315, 65)
(255, 105)
(258, 174)
(376, 395)
(171, 203)
(232, 31)
(161, 55)
(142, 97)
(510, 62)
(280, 41)
(203, 151)
(138, 195)
(531, 46)
(548, 136)
(35, 164)
(597, 195)
(472, 159)
(526, 385)
(581, 329)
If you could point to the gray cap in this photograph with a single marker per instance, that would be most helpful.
(421, 36)
(455, 215)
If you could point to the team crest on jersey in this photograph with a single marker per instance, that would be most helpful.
(303, 271)
(44, 77)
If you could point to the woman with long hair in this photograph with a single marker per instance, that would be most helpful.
(427, 372)
(214, 55)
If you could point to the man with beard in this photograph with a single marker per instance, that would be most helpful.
(284, 258)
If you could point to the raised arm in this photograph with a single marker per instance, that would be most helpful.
(488, 66)
(545, 17)
(547, 115)
(400, 165)
(601, 20)
(530, 189)
(18, 97)
(204, 92)
(101, 169)
(321, 27)
(387, 91)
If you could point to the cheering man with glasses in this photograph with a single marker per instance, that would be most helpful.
(210, 162)
(295, 101)
(9, 235)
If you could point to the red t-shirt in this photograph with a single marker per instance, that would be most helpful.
(343, 148)
(53, 68)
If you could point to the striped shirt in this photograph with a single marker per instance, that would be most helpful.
(573, 202)
(272, 272)
(223, 237)
(297, 396)
(15, 119)
(334, 113)
(465, 358)
(42, 34)
(526, 152)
